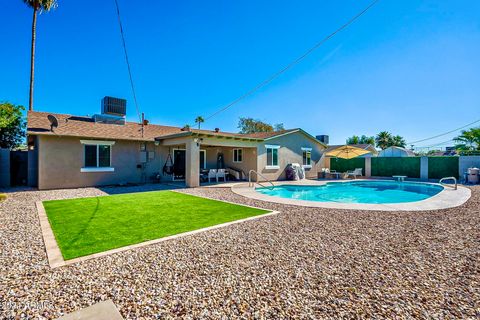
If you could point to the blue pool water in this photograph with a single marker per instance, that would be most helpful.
(357, 192)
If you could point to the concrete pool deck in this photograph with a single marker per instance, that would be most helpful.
(447, 198)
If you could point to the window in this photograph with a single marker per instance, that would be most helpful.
(97, 156)
(103, 156)
(272, 157)
(90, 156)
(237, 155)
(307, 157)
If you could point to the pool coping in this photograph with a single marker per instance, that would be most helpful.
(447, 198)
(55, 257)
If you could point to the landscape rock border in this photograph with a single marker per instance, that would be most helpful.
(55, 258)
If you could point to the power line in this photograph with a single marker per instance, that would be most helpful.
(436, 144)
(444, 134)
(128, 63)
(293, 63)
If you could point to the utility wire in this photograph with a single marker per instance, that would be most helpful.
(444, 134)
(436, 144)
(128, 63)
(293, 63)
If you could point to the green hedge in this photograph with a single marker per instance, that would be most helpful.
(344, 165)
(391, 166)
(439, 167)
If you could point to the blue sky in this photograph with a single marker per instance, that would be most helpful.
(409, 67)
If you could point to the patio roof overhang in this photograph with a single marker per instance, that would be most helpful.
(214, 138)
(208, 135)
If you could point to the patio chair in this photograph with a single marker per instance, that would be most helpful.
(221, 174)
(354, 173)
(212, 173)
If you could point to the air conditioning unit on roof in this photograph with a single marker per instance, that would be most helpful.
(114, 106)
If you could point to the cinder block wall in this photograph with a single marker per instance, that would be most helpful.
(4, 168)
(466, 162)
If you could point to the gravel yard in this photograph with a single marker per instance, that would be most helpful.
(302, 263)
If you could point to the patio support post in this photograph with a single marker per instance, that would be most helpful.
(368, 167)
(192, 165)
(424, 168)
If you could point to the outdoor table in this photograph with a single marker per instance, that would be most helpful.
(336, 174)
(399, 178)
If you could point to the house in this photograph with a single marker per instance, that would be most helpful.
(364, 146)
(396, 152)
(67, 151)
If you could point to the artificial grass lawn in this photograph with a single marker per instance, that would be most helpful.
(90, 225)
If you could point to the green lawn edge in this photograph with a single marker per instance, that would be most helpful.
(85, 226)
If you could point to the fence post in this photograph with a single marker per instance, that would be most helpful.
(368, 167)
(424, 168)
(4, 168)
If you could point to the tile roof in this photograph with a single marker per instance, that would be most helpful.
(266, 135)
(77, 126)
(82, 126)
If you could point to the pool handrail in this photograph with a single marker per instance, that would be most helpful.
(447, 185)
(252, 183)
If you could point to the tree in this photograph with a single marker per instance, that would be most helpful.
(383, 140)
(361, 140)
(12, 125)
(278, 127)
(37, 6)
(250, 125)
(468, 140)
(199, 120)
(367, 140)
(353, 140)
(398, 141)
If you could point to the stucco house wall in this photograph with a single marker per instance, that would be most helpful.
(61, 158)
(249, 161)
(290, 151)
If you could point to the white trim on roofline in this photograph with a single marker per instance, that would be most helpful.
(298, 130)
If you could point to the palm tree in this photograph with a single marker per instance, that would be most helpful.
(398, 141)
(383, 140)
(469, 139)
(36, 5)
(199, 120)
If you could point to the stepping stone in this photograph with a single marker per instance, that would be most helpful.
(104, 310)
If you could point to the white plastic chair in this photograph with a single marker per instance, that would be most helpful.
(221, 174)
(355, 173)
(212, 173)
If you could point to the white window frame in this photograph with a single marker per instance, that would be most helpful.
(236, 160)
(97, 168)
(305, 149)
(272, 166)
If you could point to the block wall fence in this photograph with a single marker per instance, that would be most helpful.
(423, 168)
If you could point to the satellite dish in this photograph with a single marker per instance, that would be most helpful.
(53, 121)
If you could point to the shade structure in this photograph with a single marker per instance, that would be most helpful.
(346, 152)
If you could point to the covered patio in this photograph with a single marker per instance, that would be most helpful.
(197, 153)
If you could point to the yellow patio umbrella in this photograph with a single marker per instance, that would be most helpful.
(346, 152)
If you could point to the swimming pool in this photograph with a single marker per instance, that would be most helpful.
(356, 192)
